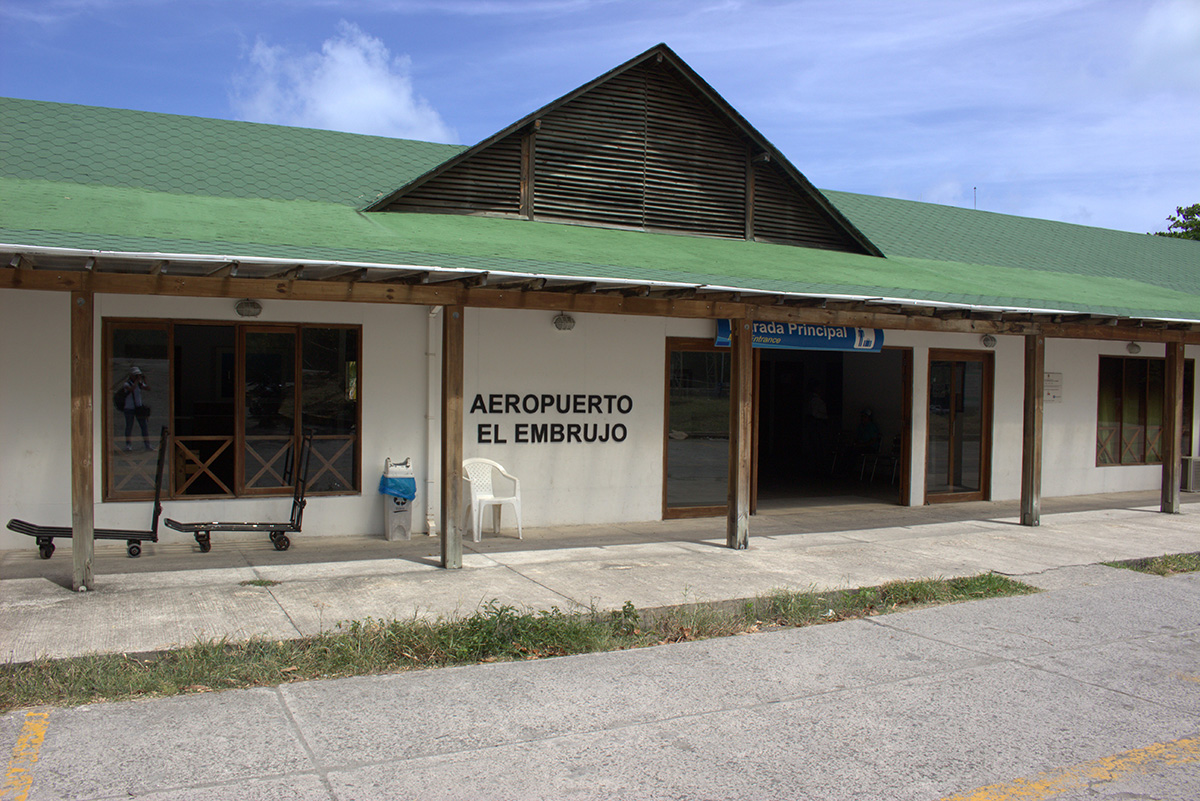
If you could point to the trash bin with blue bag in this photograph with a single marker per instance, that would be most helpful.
(399, 488)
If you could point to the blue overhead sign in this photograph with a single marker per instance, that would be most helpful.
(804, 336)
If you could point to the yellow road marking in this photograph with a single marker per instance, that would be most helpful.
(1077, 777)
(19, 777)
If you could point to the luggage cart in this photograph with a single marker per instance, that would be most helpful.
(133, 539)
(276, 531)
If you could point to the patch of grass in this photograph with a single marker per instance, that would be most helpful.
(803, 609)
(495, 632)
(259, 583)
(1165, 565)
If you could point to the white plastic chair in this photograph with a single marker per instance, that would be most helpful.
(478, 473)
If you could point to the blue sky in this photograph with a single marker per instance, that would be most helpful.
(1085, 111)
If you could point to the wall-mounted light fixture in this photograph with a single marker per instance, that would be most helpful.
(248, 308)
(1133, 348)
(564, 321)
(988, 341)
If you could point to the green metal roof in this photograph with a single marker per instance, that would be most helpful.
(196, 156)
(104, 179)
(947, 233)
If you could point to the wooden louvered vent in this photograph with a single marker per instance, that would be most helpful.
(590, 154)
(784, 216)
(645, 148)
(642, 151)
(487, 183)
(696, 164)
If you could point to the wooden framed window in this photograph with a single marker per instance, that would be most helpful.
(236, 399)
(1131, 409)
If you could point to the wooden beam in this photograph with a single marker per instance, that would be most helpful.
(737, 528)
(1172, 429)
(82, 486)
(227, 270)
(292, 273)
(464, 281)
(528, 160)
(1031, 441)
(522, 284)
(417, 277)
(441, 294)
(632, 291)
(751, 192)
(452, 435)
(682, 292)
(583, 287)
(349, 275)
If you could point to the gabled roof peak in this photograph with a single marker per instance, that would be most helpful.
(647, 145)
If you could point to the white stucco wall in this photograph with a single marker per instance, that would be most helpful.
(1069, 428)
(517, 353)
(1069, 466)
(35, 410)
(614, 361)
(35, 335)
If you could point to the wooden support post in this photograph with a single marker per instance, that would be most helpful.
(452, 435)
(1031, 444)
(1172, 429)
(82, 488)
(737, 530)
(528, 158)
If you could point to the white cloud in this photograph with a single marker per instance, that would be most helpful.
(354, 84)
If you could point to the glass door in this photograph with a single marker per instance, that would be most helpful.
(696, 451)
(959, 426)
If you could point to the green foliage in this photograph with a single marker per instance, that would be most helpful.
(1165, 565)
(1184, 223)
(625, 622)
(493, 633)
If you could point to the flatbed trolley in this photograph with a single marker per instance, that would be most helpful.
(133, 539)
(276, 531)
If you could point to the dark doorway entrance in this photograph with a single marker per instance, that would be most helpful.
(832, 424)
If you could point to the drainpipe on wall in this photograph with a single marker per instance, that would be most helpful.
(432, 418)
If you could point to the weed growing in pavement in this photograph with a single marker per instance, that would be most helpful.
(625, 622)
(495, 632)
(1165, 565)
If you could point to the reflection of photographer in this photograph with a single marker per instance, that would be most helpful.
(134, 406)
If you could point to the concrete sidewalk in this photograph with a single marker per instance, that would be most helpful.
(174, 595)
(1086, 691)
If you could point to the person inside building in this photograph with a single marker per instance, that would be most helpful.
(867, 436)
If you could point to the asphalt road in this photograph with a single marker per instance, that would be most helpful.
(1089, 690)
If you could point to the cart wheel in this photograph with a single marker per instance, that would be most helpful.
(274, 535)
(204, 542)
(46, 551)
(282, 542)
(134, 550)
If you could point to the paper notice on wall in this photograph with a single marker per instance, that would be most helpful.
(1052, 388)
